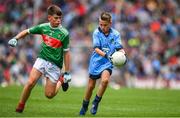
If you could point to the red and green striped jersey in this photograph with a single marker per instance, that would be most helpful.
(55, 41)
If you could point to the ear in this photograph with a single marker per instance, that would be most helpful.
(49, 17)
(110, 23)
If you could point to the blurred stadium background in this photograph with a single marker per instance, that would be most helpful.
(149, 30)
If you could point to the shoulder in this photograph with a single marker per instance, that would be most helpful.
(63, 30)
(115, 32)
(37, 28)
(96, 32)
(44, 25)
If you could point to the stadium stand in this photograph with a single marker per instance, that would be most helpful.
(149, 30)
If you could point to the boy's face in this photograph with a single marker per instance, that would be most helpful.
(105, 26)
(54, 20)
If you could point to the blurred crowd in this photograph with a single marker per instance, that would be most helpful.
(149, 32)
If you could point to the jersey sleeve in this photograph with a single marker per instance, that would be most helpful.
(66, 43)
(96, 41)
(36, 30)
(118, 44)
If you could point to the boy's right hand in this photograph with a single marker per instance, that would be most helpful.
(109, 57)
(12, 42)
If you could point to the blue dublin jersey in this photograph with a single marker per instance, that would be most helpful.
(107, 43)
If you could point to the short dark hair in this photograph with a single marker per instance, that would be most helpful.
(105, 16)
(54, 10)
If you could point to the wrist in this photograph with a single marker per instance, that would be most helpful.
(66, 72)
(15, 38)
(106, 55)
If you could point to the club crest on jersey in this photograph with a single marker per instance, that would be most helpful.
(112, 41)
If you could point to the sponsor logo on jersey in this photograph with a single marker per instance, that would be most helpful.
(52, 42)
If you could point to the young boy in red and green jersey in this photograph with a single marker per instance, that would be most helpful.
(55, 41)
(54, 50)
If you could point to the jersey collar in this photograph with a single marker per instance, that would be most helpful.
(110, 30)
(55, 27)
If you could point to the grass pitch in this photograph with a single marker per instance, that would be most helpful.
(115, 103)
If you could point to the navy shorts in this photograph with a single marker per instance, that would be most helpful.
(94, 77)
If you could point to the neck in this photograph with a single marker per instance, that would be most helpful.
(54, 27)
(105, 33)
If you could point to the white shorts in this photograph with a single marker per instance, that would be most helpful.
(48, 69)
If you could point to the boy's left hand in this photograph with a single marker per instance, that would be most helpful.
(12, 42)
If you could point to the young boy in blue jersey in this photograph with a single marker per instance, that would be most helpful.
(106, 41)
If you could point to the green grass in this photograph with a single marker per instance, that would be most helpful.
(115, 103)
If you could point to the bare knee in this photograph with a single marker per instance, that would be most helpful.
(104, 82)
(49, 95)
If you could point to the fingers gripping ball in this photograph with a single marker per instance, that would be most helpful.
(118, 59)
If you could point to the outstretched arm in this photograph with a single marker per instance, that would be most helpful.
(22, 34)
